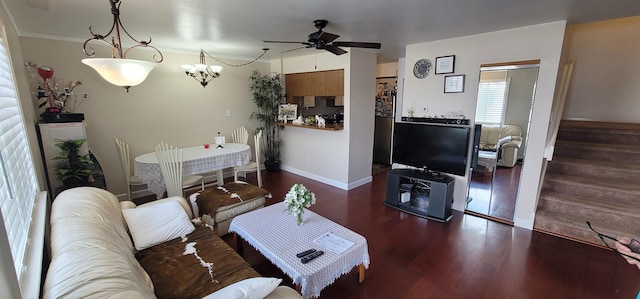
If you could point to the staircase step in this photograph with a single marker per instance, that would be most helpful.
(610, 213)
(575, 227)
(593, 177)
(597, 151)
(601, 132)
(618, 171)
(596, 189)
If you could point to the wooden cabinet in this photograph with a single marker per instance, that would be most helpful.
(325, 83)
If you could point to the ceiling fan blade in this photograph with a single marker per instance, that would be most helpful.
(327, 37)
(294, 49)
(284, 42)
(335, 50)
(357, 45)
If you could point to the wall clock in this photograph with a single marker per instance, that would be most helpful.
(422, 68)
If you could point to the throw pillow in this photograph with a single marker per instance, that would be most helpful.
(250, 288)
(155, 224)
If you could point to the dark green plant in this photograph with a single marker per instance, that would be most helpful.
(268, 93)
(73, 169)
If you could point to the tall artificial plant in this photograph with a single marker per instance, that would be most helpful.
(268, 93)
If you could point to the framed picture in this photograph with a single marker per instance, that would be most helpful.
(288, 112)
(445, 64)
(454, 83)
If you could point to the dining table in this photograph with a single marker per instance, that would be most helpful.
(199, 159)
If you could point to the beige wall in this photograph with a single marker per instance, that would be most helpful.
(542, 42)
(605, 79)
(387, 69)
(168, 106)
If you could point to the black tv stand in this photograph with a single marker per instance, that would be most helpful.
(422, 193)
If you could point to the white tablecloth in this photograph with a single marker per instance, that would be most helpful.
(196, 160)
(276, 235)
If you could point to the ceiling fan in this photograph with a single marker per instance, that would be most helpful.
(322, 40)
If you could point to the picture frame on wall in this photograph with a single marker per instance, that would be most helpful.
(454, 84)
(445, 64)
(287, 112)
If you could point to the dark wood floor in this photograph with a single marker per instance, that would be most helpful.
(469, 257)
(494, 194)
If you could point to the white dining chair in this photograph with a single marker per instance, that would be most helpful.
(253, 165)
(240, 135)
(170, 161)
(125, 160)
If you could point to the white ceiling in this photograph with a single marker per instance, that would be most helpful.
(236, 28)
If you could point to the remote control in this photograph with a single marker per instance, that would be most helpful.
(305, 253)
(311, 256)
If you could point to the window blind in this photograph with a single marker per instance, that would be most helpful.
(491, 102)
(18, 184)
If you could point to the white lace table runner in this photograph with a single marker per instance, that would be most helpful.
(196, 160)
(276, 235)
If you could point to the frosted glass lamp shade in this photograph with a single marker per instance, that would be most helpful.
(189, 69)
(216, 69)
(121, 72)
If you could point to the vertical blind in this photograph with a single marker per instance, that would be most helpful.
(491, 102)
(18, 185)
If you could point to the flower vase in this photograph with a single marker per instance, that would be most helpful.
(299, 218)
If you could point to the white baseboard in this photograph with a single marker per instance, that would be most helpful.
(326, 180)
(523, 223)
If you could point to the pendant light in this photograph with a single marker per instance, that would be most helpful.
(118, 70)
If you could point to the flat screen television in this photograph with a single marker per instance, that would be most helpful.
(433, 148)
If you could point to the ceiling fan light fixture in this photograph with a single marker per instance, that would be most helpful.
(118, 70)
(322, 40)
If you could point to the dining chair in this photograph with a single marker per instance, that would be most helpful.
(253, 165)
(125, 160)
(170, 160)
(240, 135)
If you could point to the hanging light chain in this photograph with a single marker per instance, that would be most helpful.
(238, 65)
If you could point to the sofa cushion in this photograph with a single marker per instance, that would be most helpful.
(181, 270)
(91, 253)
(210, 200)
(250, 288)
(91, 204)
(157, 223)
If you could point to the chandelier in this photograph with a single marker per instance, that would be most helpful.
(204, 73)
(118, 70)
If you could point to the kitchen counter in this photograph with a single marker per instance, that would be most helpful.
(329, 127)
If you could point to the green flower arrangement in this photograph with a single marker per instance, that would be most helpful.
(297, 199)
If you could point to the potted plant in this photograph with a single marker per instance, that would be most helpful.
(73, 169)
(268, 93)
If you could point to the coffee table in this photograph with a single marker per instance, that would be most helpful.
(276, 235)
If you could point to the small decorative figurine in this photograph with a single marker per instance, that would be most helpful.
(298, 121)
(320, 120)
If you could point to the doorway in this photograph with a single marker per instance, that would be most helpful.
(506, 93)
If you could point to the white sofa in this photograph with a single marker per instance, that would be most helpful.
(505, 140)
(93, 256)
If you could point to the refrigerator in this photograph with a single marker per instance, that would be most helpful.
(386, 90)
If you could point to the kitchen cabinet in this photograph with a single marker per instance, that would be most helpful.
(325, 83)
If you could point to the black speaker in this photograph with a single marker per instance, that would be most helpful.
(477, 130)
